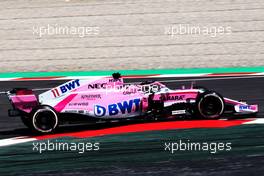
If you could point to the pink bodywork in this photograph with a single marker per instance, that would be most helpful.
(106, 97)
(177, 96)
(85, 99)
(24, 103)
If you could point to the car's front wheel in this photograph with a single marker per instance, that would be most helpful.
(210, 105)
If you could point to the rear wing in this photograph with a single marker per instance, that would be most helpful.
(22, 100)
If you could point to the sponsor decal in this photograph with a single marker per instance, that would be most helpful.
(66, 88)
(247, 108)
(172, 97)
(178, 112)
(99, 111)
(116, 108)
(97, 86)
(79, 104)
(81, 111)
(55, 92)
(29, 105)
(244, 107)
(129, 92)
(115, 80)
(77, 112)
(91, 96)
(71, 111)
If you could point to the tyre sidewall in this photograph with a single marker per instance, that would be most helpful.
(198, 110)
(40, 109)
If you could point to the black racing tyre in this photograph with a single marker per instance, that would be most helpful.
(210, 105)
(44, 119)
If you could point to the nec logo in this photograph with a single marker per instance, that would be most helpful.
(97, 86)
(66, 87)
(114, 109)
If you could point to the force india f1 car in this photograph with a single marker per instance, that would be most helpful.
(109, 98)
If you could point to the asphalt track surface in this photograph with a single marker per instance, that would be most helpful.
(143, 153)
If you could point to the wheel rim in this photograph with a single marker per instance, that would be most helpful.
(45, 120)
(211, 106)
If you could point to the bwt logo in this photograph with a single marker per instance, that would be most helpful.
(114, 109)
(245, 107)
(66, 87)
(70, 86)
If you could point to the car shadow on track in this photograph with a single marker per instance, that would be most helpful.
(69, 128)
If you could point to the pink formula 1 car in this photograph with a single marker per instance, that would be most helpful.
(109, 98)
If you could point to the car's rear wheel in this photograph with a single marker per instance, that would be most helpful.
(210, 105)
(44, 119)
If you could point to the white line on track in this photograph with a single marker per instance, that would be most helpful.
(37, 89)
(15, 140)
(256, 121)
(8, 79)
(41, 89)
